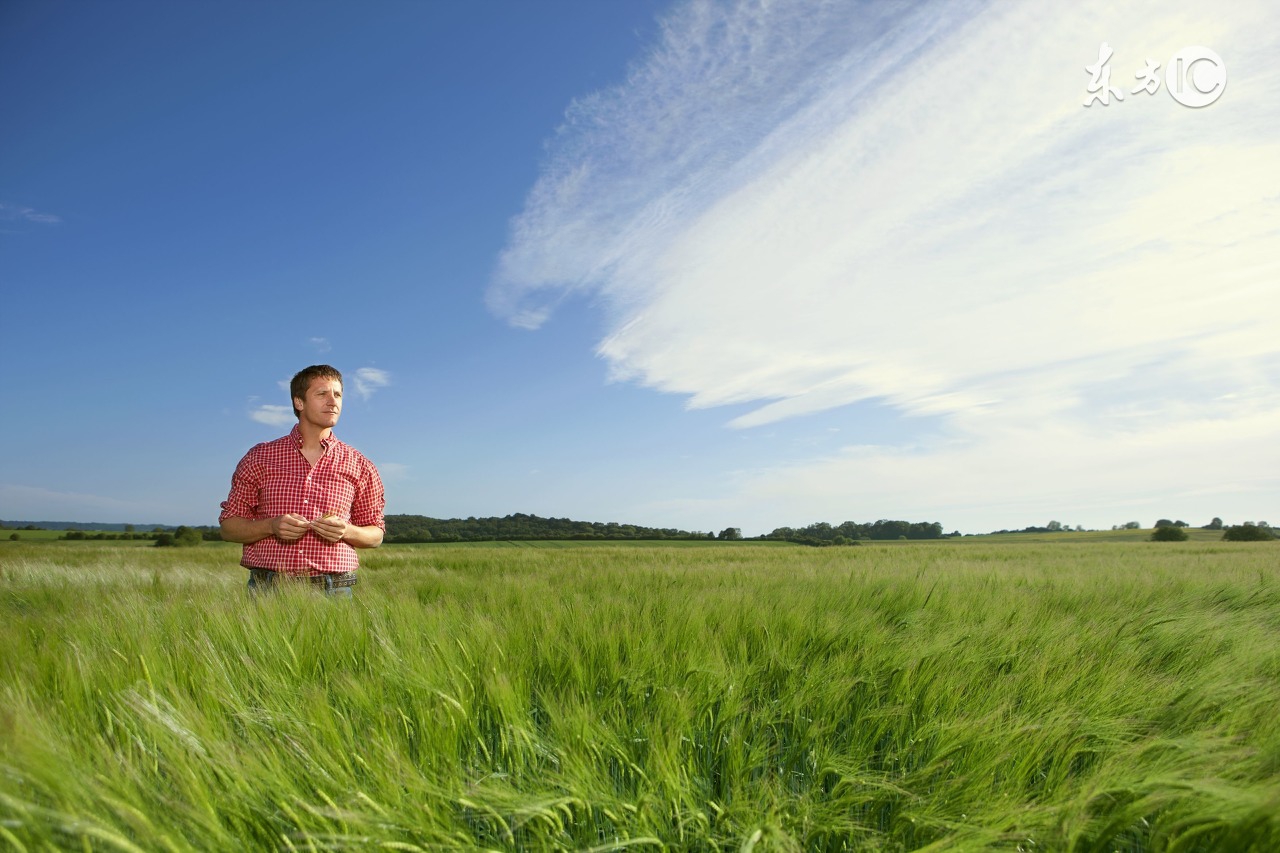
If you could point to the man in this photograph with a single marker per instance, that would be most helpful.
(303, 503)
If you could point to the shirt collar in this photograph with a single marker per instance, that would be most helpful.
(295, 435)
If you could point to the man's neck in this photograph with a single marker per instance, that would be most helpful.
(312, 435)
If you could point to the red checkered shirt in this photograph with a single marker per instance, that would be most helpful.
(274, 478)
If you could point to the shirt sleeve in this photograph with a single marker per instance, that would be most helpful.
(246, 485)
(370, 504)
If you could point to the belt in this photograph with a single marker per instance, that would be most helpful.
(332, 579)
(342, 579)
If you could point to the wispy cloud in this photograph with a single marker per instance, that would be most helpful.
(370, 379)
(34, 503)
(321, 345)
(393, 471)
(806, 205)
(20, 213)
(273, 415)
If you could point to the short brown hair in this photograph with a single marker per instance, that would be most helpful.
(302, 381)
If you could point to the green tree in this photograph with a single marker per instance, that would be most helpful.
(187, 537)
(1169, 533)
(731, 533)
(1247, 532)
(1216, 524)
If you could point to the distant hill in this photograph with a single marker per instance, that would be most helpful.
(519, 526)
(82, 525)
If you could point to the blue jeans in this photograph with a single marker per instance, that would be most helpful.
(265, 580)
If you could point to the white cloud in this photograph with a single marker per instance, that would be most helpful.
(273, 415)
(792, 206)
(370, 379)
(321, 345)
(16, 212)
(393, 471)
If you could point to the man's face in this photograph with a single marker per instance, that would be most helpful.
(323, 403)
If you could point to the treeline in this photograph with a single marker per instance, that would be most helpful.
(182, 535)
(95, 526)
(1059, 527)
(102, 535)
(851, 532)
(1051, 527)
(519, 526)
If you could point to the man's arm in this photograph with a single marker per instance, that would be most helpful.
(364, 537)
(246, 531)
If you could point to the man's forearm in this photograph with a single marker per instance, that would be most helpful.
(246, 531)
(363, 537)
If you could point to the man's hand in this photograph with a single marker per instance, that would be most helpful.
(289, 527)
(331, 528)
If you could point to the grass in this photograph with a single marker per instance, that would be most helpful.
(960, 695)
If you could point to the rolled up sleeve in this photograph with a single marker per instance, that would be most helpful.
(243, 500)
(370, 504)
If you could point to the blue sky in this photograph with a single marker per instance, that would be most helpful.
(687, 264)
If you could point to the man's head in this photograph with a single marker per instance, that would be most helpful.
(303, 380)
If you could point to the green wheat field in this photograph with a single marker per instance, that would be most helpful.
(994, 693)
